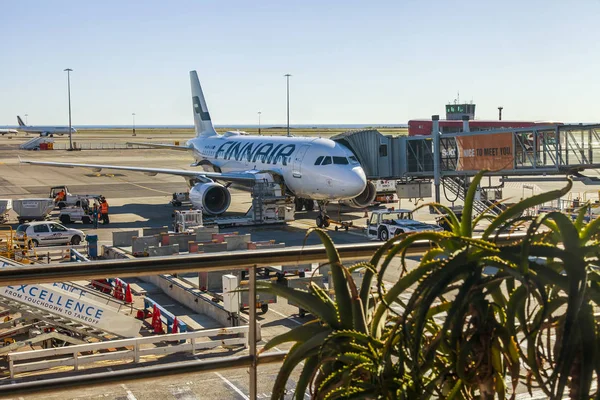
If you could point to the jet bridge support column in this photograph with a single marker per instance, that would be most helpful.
(435, 133)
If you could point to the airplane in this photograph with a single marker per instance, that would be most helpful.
(9, 131)
(44, 130)
(307, 168)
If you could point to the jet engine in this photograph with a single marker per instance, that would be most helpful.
(364, 199)
(212, 198)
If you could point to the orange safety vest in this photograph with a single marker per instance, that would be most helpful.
(104, 208)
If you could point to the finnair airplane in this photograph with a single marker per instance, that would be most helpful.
(307, 168)
(5, 131)
(44, 130)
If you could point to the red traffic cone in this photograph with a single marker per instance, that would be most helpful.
(118, 290)
(154, 314)
(175, 326)
(128, 296)
(157, 323)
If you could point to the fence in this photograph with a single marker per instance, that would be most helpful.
(99, 146)
(76, 359)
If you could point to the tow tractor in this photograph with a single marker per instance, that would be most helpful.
(81, 211)
(384, 224)
(70, 199)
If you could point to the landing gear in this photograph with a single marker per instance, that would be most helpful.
(323, 220)
(305, 204)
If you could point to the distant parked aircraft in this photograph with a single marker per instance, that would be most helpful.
(44, 130)
(9, 131)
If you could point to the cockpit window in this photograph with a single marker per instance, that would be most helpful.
(353, 160)
(318, 162)
(340, 160)
(326, 161)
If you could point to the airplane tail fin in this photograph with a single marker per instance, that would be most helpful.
(202, 122)
(20, 121)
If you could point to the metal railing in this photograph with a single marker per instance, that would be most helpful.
(180, 264)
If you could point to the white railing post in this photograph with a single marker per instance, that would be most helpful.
(136, 352)
(76, 360)
(193, 342)
(11, 366)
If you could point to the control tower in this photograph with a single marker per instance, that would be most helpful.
(458, 111)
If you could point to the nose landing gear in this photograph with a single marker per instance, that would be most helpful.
(324, 221)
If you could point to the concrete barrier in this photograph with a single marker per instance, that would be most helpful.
(194, 299)
(264, 245)
(140, 245)
(213, 281)
(155, 231)
(182, 239)
(163, 250)
(112, 253)
(237, 242)
(205, 233)
(124, 238)
(210, 247)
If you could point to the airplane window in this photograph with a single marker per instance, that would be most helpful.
(340, 160)
(318, 162)
(326, 161)
(353, 160)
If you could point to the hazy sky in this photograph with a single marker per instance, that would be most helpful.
(351, 61)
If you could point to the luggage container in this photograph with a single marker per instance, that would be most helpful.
(5, 207)
(33, 209)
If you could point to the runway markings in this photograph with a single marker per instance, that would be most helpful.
(231, 385)
(286, 317)
(130, 395)
(183, 393)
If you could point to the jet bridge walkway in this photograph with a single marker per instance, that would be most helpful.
(549, 150)
(554, 149)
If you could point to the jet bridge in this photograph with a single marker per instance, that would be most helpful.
(553, 149)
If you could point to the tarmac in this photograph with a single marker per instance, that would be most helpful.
(137, 201)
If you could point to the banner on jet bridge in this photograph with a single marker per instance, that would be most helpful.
(485, 151)
(72, 306)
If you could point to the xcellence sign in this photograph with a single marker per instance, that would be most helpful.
(82, 309)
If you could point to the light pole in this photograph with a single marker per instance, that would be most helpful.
(26, 115)
(133, 116)
(500, 113)
(259, 122)
(287, 76)
(69, 70)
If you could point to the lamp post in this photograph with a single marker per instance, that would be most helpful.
(259, 122)
(133, 116)
(69, 70)
(287, 76)
(500, 113)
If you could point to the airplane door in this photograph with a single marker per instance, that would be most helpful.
(297, 166)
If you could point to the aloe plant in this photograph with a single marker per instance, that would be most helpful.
(477, 311)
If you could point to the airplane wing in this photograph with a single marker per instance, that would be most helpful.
(162, 146)
(242, 177)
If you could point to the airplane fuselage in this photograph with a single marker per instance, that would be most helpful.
(338, 175)
(48, 130)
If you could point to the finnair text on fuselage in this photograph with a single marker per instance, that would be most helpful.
(266, 153)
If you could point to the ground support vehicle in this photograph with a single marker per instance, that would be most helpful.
(187, 221)
(302, 282)
(70, 199)
(82, 211)
(179, 198)
(33, 209)
(384, 224)
(212, 283)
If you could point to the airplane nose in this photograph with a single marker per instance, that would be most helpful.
(357, 181)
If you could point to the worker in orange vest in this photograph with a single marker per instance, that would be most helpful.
(60, 196)
(104, 211)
